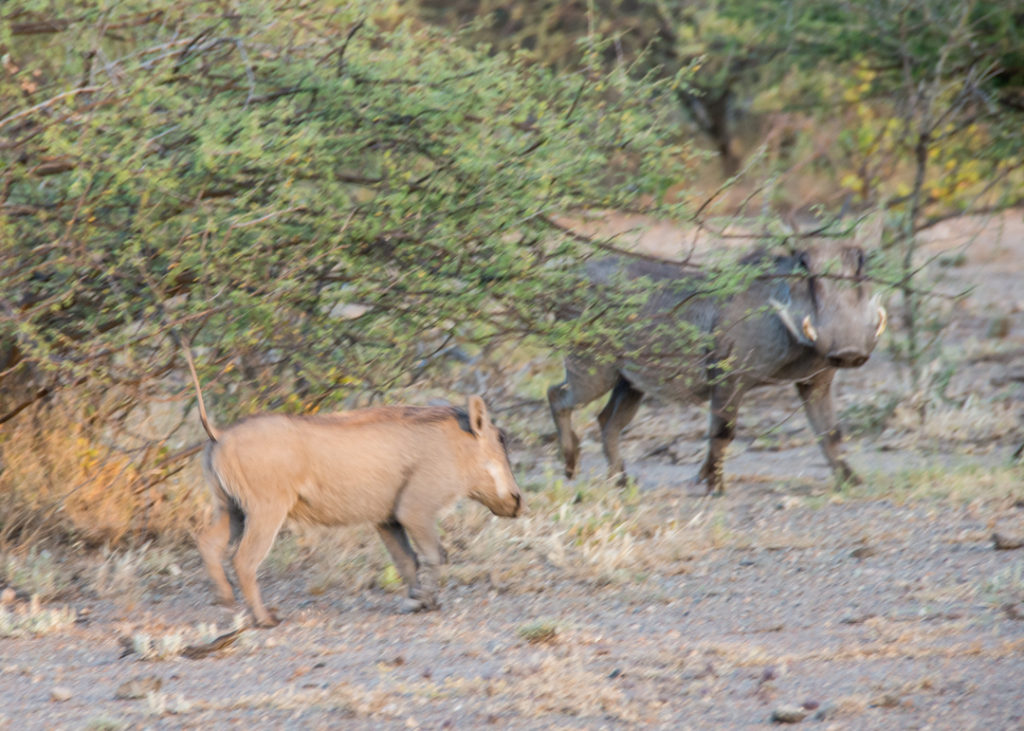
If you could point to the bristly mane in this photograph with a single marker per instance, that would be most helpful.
(762, 256)
(379, 414)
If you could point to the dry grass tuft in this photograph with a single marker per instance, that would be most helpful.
(171, 643)
(964, 484)
(125, 574)
(60, 480)
(1005, 587)
(32, 619)
(38, 572)
(539, 632)
(975, 421)
(597, 533)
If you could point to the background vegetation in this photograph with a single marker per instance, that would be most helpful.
(330, 199)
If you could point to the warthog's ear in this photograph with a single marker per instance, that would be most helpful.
(477, 415)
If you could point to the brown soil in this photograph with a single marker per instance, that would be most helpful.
(880, 607)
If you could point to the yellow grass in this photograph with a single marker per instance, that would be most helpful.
(62, 480)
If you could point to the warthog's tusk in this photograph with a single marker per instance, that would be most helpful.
(809, 330)
(783, 312)
(883, 318)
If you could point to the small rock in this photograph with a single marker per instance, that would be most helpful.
(863, 552)
(788, 714)
(1014, 611)
(8, 595)
(138, 688)
(59, 694)
(887, 700)
(810, 704)
(1004, 542)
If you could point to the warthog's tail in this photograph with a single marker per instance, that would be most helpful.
(210, 430)
(225, 500)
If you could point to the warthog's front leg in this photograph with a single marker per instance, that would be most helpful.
(816, 395)
(725, 408)
(425, 586)
(397, 543)
(617, 413)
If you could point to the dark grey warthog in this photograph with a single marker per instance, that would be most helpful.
(393, 466)
(808, 314)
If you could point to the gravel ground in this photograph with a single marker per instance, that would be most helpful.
(866, 614)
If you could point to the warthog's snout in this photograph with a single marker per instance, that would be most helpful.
(511, 506)
(848, 358)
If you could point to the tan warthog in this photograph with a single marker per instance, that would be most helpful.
(393, 466)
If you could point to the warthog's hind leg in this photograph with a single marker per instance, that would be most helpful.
(397, 543)
(260, 532)
(820, 409)
(617, 413)
(213, 544)
(583, 383)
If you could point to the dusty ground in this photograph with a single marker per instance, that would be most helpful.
(880, 606)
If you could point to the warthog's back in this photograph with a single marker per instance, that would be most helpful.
(339, 469)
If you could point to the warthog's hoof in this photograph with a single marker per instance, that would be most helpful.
(270, 620)
(412, 605)
(700, 486)
(851, 479)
